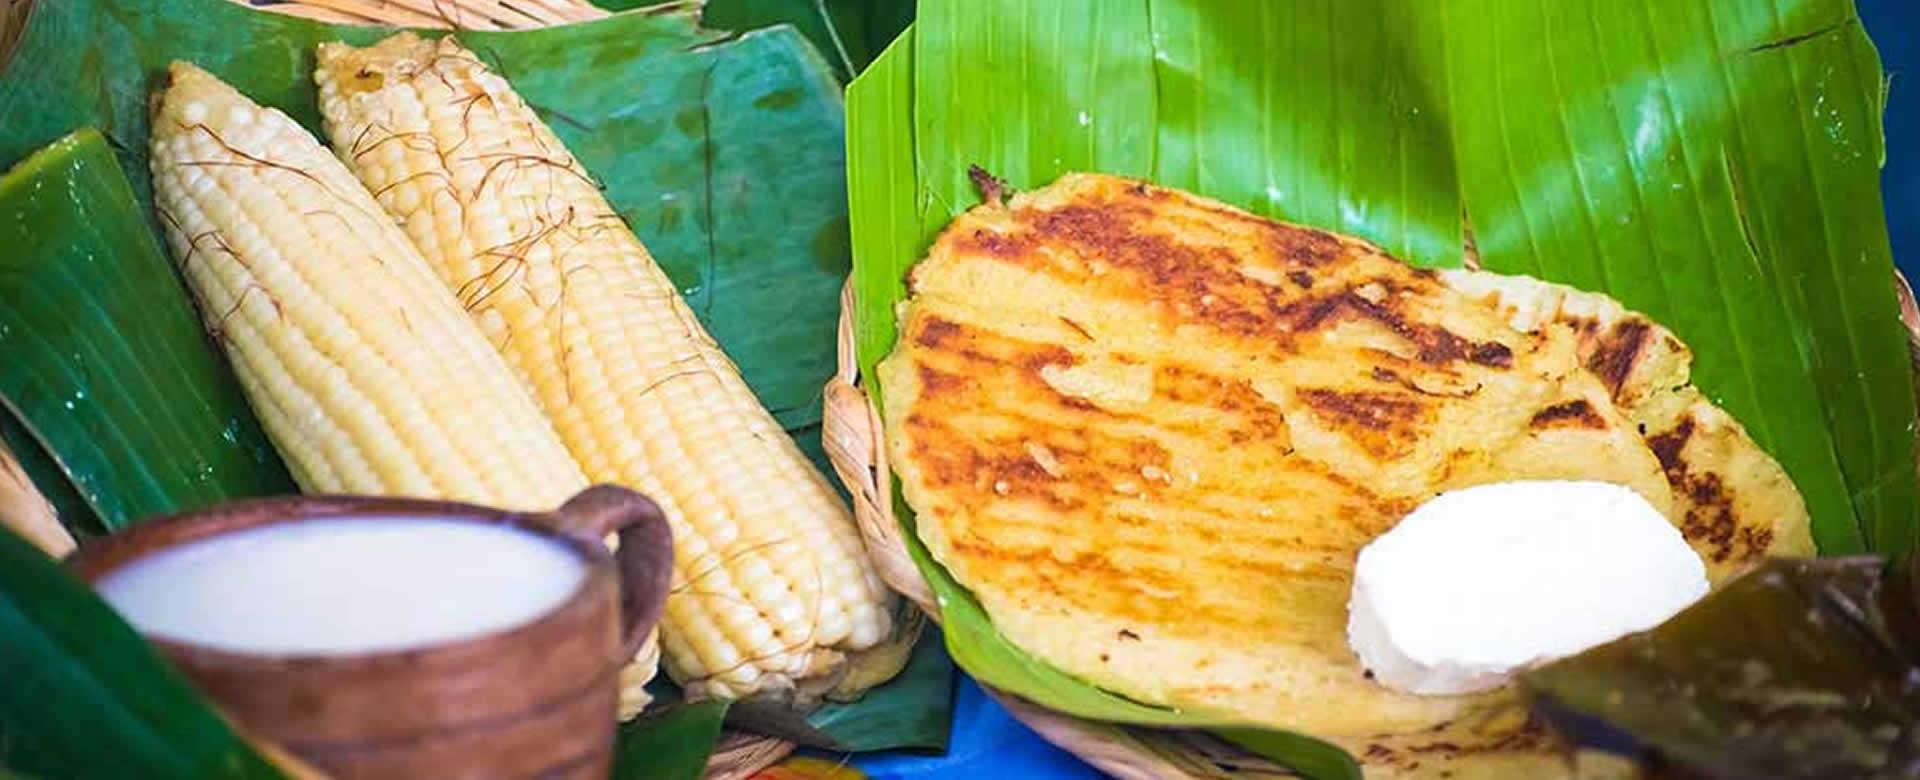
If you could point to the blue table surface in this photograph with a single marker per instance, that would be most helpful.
(987, 740)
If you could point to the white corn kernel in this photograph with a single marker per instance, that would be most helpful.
(775, 574)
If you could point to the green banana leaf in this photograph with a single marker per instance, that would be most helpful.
(85, 697)
(908, 713)
(107, 364)
(1711, 162)
(672, 744)
(855, 728)
(849, 32)
(1716, 165)
(725, 154)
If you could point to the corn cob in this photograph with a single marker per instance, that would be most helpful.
(772, 584)
(368, 376)
(365, 371)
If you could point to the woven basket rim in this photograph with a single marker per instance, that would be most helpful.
(489, 15)
(492, 15)
(855, 447)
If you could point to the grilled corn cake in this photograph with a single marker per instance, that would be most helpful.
(1732, 501)
(1150, 432)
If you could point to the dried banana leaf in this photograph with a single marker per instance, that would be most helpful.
(1801, 669)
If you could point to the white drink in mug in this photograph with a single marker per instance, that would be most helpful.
(342, 585)
(387, 638)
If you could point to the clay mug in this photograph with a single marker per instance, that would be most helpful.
(536, 700)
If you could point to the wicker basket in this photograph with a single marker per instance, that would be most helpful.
(26, 510)
(852, 433)
(439, 14)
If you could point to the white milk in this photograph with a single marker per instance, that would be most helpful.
(345, 585)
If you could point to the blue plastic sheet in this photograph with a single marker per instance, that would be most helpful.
(988, 743)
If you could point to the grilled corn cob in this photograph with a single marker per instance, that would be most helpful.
(772, 584)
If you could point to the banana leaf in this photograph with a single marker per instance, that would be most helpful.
(107, 365)
(1711, 162)
(725, 154)
(1716, 165)
(1801, 669)
(854, 729)
(85, 697)
(672, 744)
(910, 713)
(849, 32)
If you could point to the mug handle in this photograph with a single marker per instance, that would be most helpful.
(645, 557)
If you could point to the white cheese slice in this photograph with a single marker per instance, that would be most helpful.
(1480, 583)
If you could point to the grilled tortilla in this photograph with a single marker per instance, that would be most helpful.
(1151, 432)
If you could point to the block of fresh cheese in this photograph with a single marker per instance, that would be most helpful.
(1480, 583)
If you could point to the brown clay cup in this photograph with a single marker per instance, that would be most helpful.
(538, 700)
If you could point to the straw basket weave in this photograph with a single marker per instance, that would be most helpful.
(439, 14)
(26, 510)
(854, 444)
